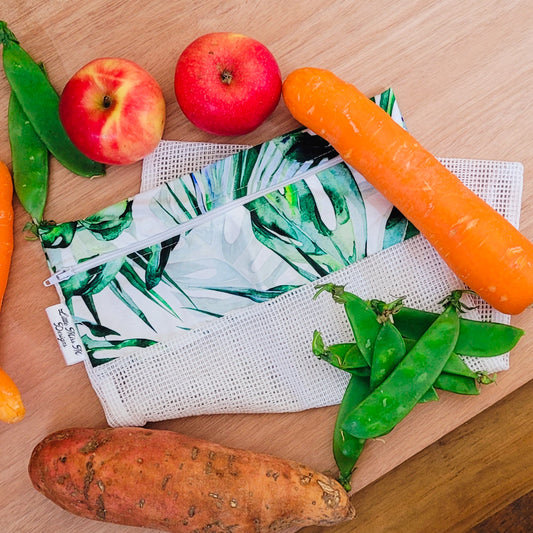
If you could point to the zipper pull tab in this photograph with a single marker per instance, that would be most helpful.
(58, 277)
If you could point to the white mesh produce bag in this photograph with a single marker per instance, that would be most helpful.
(259, 359)
(224, 347)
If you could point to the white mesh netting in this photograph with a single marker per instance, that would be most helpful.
(176, 158)
(259, 359)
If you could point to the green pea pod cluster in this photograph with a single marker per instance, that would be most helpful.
(399, 358)
(35, 129)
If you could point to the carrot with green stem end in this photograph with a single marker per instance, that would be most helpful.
(483, 249)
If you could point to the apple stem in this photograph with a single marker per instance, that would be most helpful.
(107, 101)
(226, 77)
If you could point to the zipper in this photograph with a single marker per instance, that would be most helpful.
(67, 272)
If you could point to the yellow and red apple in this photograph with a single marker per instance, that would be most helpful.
(227, 83)
(113, 111)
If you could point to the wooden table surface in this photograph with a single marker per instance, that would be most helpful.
(462, 72)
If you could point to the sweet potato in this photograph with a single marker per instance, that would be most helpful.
(163, 480)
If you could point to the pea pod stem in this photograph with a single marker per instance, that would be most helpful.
(339, 294)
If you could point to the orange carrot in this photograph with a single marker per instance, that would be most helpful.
(11, 407)
(6, 226)
(484, 250)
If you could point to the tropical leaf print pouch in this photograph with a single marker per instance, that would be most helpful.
(195, 296)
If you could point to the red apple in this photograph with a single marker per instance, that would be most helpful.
(227, 83)
(113, 111)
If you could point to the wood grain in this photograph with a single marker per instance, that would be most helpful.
(462, 72)
(516, 517)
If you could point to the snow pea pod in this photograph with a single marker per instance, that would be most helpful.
(388, 404)
(476, 338)
(457, 384)
(365, 326)
(345, 356)
(454, 364)
(347, 448)
(389, 350)
(29, 157)
(40, 103)
(430, 395)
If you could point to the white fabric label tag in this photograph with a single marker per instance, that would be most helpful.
(66, 334)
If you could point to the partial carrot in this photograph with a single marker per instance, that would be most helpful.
(483, 249)
(6, 226)
(11, 407)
